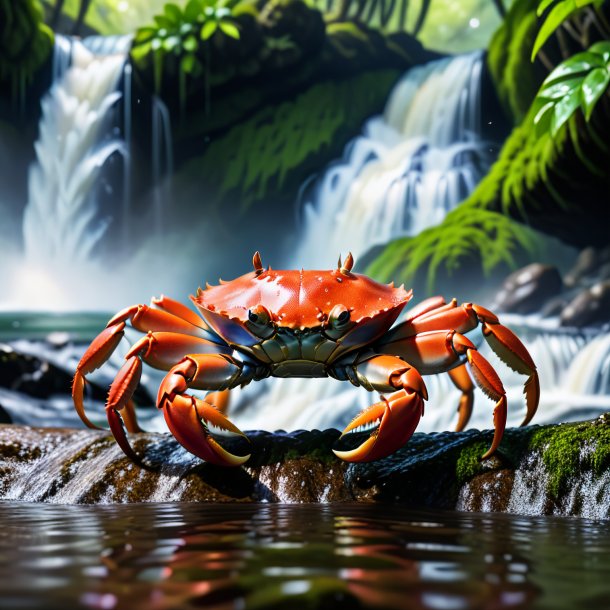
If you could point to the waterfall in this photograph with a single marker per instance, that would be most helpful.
(409, 167)
(62, 221)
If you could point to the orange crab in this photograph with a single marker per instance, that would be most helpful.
(336, 323)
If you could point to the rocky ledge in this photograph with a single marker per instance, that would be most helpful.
(560, 470)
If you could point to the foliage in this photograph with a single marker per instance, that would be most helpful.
(578, 82)
(184, 34)
(325, 114)
(468, 232)
(562, 10)
(516, 79)
(108, 17)
(25, 43)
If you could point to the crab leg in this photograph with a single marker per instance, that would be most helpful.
(142, 318)
(438, 351)
(188, 417)
(397, 415)
(160, 350)
(463, 318)
(462, 381)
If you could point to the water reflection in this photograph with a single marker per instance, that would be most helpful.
(251, 557)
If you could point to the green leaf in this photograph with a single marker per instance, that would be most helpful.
(577, 64)
(601, 48)
(564, 109)
(173, 13)
(559, 89)
(144, 35)
(171, 43)
(192, 10)
(543, 6)
(163, 22)
(208, 29)
(230, 29)
(188, 63)
(593, 87)
(222, 12)
(542, 119)
(190, 44)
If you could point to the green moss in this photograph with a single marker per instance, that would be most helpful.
(25, 44)
(515, 77)
(562, 451)
(280, 144)
(468, 463)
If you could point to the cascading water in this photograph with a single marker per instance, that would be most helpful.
(410, 166)
(61, 220)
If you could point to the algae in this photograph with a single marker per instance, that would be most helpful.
(281, 145)
(569, 449)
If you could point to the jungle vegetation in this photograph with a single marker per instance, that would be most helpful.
(555, 159)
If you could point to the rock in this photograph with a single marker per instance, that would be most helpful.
(589, 263)
(557, 469)
(527, 289)
(588, 308)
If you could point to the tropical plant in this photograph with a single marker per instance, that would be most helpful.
(562, 10)
(185, 35)
(578, 82)
(25, 44)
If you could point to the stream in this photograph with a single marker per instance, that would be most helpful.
(340, 557)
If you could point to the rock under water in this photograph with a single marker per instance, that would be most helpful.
(560, 470)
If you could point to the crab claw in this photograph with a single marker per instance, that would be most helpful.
(395, 419)
(189, 420)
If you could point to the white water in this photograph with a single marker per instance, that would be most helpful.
(62, 221)
(409, 167)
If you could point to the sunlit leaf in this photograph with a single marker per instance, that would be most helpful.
(208, 29)
(559, 13)
(190, 44)
(144, 35)
(542, 119)
(593, 87)
(171, 43)
(577, 64)
(543, 6)
(601, 48)
(559, 89)
(187, 64)
(564, 109)
(230, 29)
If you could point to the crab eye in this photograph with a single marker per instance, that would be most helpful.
(338, 317)
(259, 321)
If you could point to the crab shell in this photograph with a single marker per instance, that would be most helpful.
(302, 301)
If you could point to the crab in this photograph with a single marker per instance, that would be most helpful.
(332, 323)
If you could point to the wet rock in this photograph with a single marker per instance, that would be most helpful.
(31, 375)
(528, 289)
(560, 469)
(591, 262)
(590, 307)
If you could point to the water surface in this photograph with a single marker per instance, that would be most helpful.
(247, 557)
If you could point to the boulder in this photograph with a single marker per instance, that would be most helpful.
(528, 289)
(590, 307)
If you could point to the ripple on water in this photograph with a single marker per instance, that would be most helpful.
(159, 556)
